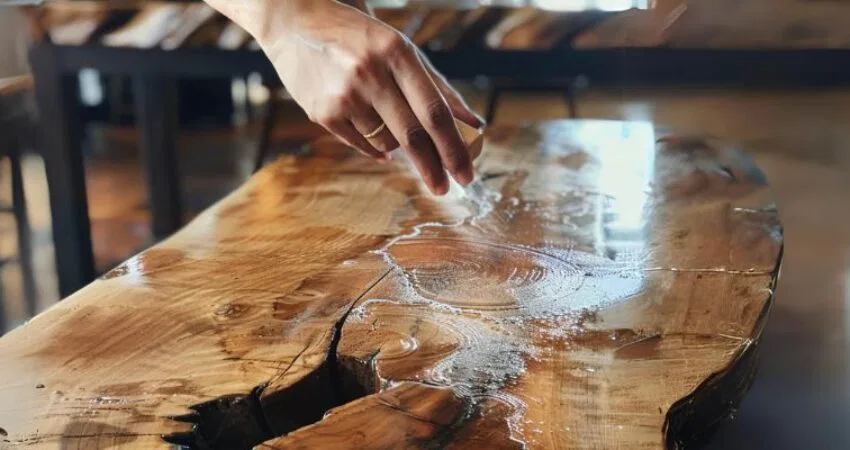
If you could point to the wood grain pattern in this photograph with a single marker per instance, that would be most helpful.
(529, 28)
(436, 27)
(193, 19)
(497, 25)
(147, 29)
(468, 30)
(600, 286)
(66, 23)
(434, 23)
(751, 24)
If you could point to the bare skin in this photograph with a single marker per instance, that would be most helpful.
(352, 73)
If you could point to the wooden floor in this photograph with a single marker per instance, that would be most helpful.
(800, 138)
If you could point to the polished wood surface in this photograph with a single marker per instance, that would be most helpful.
(728, 24)
(603, 283)
(798, 137)
(751, 24)
(149, 28)
(170, 25)
(66, 23)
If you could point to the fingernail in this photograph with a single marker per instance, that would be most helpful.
(481, 121)
(441, 189)
(464, 177)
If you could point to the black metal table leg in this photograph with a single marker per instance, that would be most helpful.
(19, 207)
(493, 97)
(569, 95)
(155, 99)
(63, 163)
(3, 318)
(265, 139)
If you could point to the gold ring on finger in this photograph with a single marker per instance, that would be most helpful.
(376, 132)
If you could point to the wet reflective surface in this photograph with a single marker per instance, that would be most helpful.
(603, 284)
(576, 273)
(801, 395)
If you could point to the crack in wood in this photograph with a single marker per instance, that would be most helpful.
(242, 421)
(224, 422)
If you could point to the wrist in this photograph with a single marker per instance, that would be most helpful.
(268, 20)
(278, 18)
(282, 18)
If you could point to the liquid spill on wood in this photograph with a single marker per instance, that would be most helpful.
(461, 306)
(568, 298)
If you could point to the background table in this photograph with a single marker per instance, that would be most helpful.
(543, 46)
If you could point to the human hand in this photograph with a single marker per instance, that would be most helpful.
(352, 74)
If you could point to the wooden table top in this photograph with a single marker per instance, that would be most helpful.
(604, 286)
(438, 25)
(516, 25)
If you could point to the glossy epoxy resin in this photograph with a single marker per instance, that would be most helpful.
(604, 287)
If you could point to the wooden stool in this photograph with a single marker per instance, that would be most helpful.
(597, 288)
(15, 134)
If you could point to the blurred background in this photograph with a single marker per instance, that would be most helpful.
(152, 111)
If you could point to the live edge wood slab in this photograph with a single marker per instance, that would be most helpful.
(604, 286)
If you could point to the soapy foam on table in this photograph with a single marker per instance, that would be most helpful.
(549, 287)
